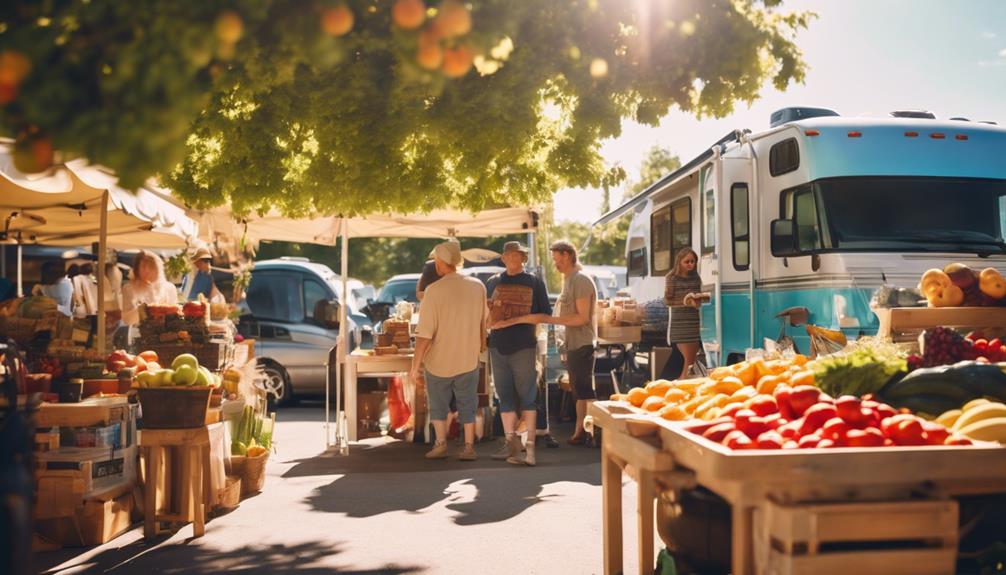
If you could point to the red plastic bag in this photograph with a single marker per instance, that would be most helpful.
(398, 410)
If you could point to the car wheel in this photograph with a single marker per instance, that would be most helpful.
(276, 384)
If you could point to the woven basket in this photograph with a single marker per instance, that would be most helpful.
(229, 496)
(251, 470)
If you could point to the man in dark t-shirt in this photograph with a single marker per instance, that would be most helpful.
(512, 350)
(428, 277)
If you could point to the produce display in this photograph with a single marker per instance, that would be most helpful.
(943, 345)
(935, 390)
(863, 367)
(805, 417)
(253, 436)
(959, 285)
(978, 419)
(185, 371)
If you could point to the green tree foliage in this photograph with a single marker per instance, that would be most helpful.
(356, 106)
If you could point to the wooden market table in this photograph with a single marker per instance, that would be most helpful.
(362, 362)
(661, 456)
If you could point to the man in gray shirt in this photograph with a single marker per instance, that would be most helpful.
(575, 310)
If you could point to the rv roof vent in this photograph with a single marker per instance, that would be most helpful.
(917, 114)
(989, 122)
(786, 115)
(960, 119)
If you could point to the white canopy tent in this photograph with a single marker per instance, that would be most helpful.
(76, 203)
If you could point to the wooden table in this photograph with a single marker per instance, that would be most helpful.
(360, 362)
(661, 455)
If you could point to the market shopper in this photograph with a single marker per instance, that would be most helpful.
(85, 292)
(682, 293)
(146, 285)
(512, 351)
(576, 311)
(449, 339)
(199, 281)
(57, 286)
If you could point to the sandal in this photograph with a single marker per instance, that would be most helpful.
(574, 440)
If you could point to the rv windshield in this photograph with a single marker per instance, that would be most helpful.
(912, 214)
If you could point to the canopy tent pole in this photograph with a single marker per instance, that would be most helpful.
(341, 440)
(20, 268)
(102, 248)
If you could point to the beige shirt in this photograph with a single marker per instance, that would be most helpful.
(452, 314)
(135, 293)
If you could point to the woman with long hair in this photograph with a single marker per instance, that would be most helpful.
(146, 285)
(682, 293)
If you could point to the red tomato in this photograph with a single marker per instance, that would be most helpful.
(826, 443)
(701, 428)
(770, 440)
(738, 440)
(850, 409)
(764, 405)
(790, 444)
(869, 437)
(731, 410)
(834, 429)
(775, 420)
(884, 411)
(936, 434)
(816, 417)
(909, 432)
(753, 426)
(782, 396)
(889, 424)
(808, 441)
(718, 432)
(957, 440)
(791, 430)
(803, 397)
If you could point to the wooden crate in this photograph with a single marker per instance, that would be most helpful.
(510, 301)
(87, 413)
(890, 537)
(906, 323)
(94, 522)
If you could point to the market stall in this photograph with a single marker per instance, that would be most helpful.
(868, 459)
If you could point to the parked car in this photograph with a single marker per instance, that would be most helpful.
(482, 273)
(292, 312)
(605, 280)
(399, 288)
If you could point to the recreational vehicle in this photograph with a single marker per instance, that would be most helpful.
(819, 211)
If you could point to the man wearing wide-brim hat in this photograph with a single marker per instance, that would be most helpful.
(513, 350)
(449, 341)
(200, 280)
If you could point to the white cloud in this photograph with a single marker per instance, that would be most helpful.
(992, 63)
(988, 35)
(1002, 53)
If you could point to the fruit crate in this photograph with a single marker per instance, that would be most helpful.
(906, 323)
(891, 537)
(213, 355)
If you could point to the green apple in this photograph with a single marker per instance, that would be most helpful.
(166, 377)
(185, 359)
(185, 375)
(204, 377)
(147, 379)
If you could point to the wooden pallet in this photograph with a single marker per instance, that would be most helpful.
(906, 323)
(900, 537)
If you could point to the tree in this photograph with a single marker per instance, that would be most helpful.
(356, 106)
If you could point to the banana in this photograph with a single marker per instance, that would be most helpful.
(987, 430)
(975, 403)
(948, 418)
(980, 413)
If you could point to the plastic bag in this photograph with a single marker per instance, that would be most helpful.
(398, 410)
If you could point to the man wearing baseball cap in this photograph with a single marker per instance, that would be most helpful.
(449, 339)
(512, 350)
(200, 279)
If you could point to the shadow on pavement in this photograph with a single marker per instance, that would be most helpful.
(382, 477)
(173, 558)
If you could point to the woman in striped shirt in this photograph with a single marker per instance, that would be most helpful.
(682, 293)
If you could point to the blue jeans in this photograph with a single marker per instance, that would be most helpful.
(514, 376)
(465, 387)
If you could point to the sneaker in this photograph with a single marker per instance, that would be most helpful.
(550, 441)
(468, 453)
(510, 447)
(527, 458)
(439, 451)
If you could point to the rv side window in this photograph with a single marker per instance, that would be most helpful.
(708, 212)
(671, 230)
(276, 296)
(784, 157)
(808, 231)
(739, 225)
(637, 263)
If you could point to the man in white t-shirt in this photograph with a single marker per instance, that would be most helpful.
(449, 339)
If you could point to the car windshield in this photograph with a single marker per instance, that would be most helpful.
(902, 214)
(398, 290)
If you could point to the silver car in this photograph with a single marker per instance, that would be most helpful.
(291, 311)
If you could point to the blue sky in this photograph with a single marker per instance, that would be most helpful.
(865, 57)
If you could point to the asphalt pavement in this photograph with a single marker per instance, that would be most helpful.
(386, 509)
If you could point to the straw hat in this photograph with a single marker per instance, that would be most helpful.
(201, 254)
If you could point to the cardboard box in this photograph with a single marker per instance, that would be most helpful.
(93, 523)
(622, 334)
(69, 475)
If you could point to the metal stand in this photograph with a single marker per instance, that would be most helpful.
(341, 440)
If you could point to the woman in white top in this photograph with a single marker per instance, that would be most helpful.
(57, 286)
(85, 292)
(146, 286)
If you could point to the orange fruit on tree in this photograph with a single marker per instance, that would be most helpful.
(337, 21)
(637, 396)
(408, 14)
(653, 403)
(429, 55)
(454, 18)
(229, 27)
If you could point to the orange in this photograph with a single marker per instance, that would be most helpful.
(747, 372)
(673, 412)
(768, 383)
(658, 387)
(675, 395)
(800, 359)
(636, 396)
(728, 385)
(653, 403)
(720, 372)
(802, 378)
(616, 397)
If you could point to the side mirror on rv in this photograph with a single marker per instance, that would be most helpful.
(784, 239)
